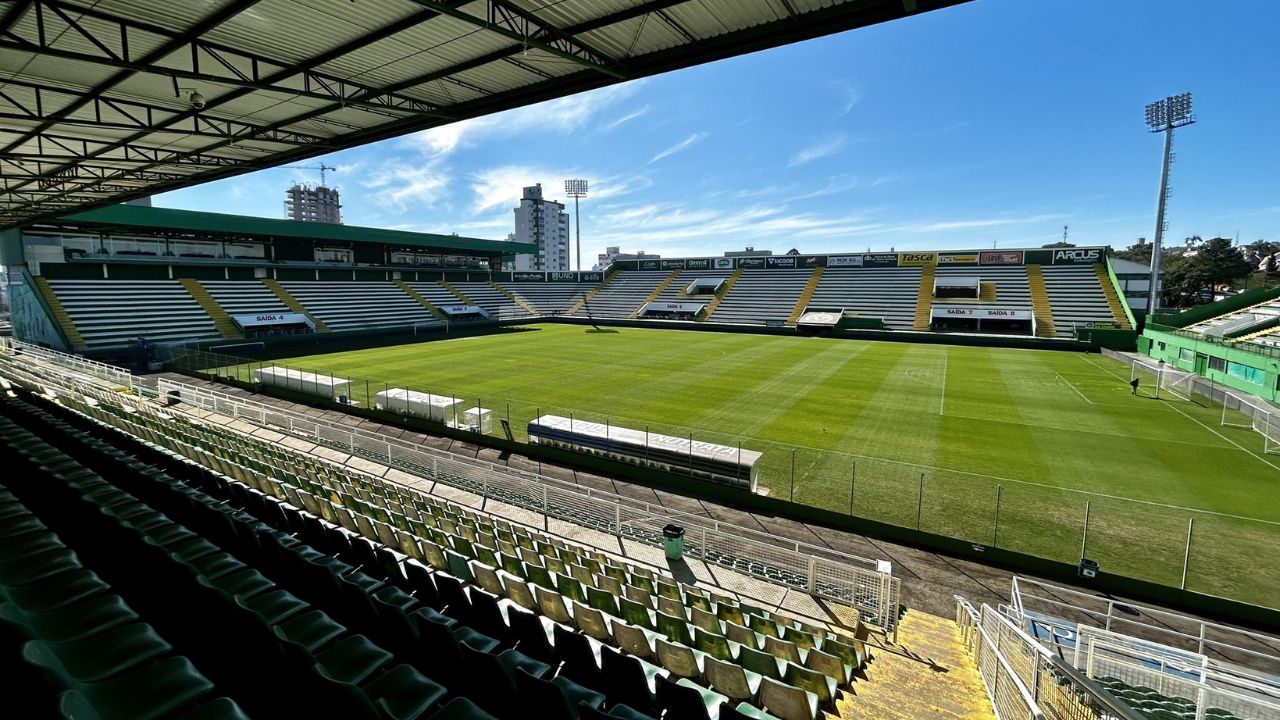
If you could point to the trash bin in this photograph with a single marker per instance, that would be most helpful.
(1088, 568)
(173, 397)
(673, 541)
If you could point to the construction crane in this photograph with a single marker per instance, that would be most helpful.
(321, 167)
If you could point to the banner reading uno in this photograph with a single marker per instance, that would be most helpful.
(1007, 257)
(813, 261)
(724, 263)
(844, 261)
(562, 277)
(670, 264)
(957, 259)
(699, 264)
(788, 261)
(529, 277)
(917, 259)
(753, 262)
(1076, 256)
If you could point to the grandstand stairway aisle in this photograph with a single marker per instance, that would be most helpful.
(1040, 306)
(728, 285)
(926, 676)
(577, 306)
(515, 298)
(292, 303)
(806, 296)
(221, 320)
(421, 300)
(1113, 300)
(60, 315)
(445, 284)
(924, 300)
(657, 292)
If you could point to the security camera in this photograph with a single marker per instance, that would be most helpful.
(197, 100)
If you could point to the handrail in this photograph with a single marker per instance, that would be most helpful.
(992, 684)
(1113, 705)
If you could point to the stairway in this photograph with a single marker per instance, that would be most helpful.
(60, 315)
(515, 299)
(292, 303)
(728, 285)
(445, 284)
(591, 294)
(806, 296)
(987, 292)
(1273, 330)
(222, 322)
(926, 676)
(1108, 289)
(1040, 303)
(421, 300)
(657, 292)
(924, 299)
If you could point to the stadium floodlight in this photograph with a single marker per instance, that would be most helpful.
(576, 189)
(1164, 116)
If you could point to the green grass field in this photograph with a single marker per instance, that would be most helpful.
(1047, 431)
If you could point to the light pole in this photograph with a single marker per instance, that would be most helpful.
(577, 189)
(1163, 116)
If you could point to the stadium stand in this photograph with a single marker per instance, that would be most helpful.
(675, 291)
(110, 313)
(358, 305)
(1003, 286)
(435, 293)
(622, 295)
(240, 297)
(491, 299)
(550, 298)
(761, 297)
(472, 602)
(1076, 297)
(887, 293)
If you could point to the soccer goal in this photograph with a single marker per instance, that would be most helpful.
(1268, 425)
(1177, 383)
(1238, 412)
(1148, 378)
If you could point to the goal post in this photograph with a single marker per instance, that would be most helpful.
(1268, 425)
(1238, 413)
(1148, 378)
(1177, 383)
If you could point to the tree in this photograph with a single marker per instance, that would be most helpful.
(1059, 244)
(1189, 279)
(1140, 253)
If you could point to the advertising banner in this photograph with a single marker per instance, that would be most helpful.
(529, 277)
(687, 307)
(670, 264)
(786, 261)
(957, 259)
(751, 262)
(844, 261)
(919, 259)
(246, 321)
(880, 260)
(1002, 257)
(562, 277)
(699, 264)
(590, 277)
(981, 313)
(463, 310)
(1077, 256)
(1038, 257)
(724, 263)
(813, 261)
(648, 264)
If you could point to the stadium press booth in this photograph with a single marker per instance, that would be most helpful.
(992, 320)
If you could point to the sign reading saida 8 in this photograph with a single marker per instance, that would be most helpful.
(1076, 255)
(918, 259)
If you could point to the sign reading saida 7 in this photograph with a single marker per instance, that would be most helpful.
(1076, 255)
(917, 259)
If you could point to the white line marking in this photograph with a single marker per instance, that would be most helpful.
(1073, 387)
(942, 404)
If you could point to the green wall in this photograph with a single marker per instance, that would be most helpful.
(1168, 346)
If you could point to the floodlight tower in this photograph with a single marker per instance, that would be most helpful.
(1163, 116)
(576, 189)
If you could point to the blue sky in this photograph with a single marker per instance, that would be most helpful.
(990, 124)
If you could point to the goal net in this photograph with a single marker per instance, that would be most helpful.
(1148, 379)
(1268, 425)
(1177, 383)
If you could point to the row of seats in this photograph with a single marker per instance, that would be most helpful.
(760, 296)
(571, 611)
(111, 313)
(358, 305)
(1075, 297)
(887, 293)
(1159, 706)
(490, 298)
(622, 295)
(550, 298)
(244, 298)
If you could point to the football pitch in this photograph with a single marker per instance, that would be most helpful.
(1002, 447)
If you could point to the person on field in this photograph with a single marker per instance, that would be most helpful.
(1134, 385)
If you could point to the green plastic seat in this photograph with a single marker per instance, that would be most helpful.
(312, 630)
(72, 621)
(761, 663)
(603, 601)
(570, 588)
(788, 702)
(676, 629)
(149, 692)
(732, 680)
(717, 646)
(636, 614)
(98, 657)
(811, 681)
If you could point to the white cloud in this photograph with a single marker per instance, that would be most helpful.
(818, 149)
(626, 118)
(681, 146)
(837, 184)
(399, 185)
(849, 96)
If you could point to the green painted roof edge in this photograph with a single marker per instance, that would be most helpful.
(222, 223)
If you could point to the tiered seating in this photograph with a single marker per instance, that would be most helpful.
(435, 293)
(1075, 297)
(608, 625)
(672, 293)
(888, 293)
(110, 313)
(550, 298)
(358, 305)
(484, 295)
(1156, 705)
(244, 297)
(1238, 321)
(1012, 289)
(624, 294)
(762, 295)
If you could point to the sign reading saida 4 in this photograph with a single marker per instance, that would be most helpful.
(1083, 256)
(917, 259)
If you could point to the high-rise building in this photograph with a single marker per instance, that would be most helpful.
(543, 223)
(306, 203)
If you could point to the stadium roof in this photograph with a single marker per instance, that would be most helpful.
(187, 221)
(96, 97)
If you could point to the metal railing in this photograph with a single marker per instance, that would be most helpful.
(1008, 692)
(74, 363)
(863, 584)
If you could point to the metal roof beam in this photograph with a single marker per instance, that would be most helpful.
(501, 18)
(14, 14)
